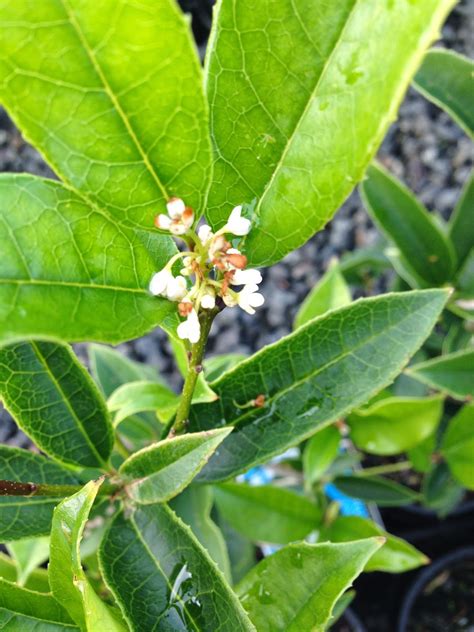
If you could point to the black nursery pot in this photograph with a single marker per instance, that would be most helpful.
(441, 598)
(349, 622)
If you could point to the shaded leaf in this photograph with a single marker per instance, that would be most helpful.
(452, 373)
(330, 292)
(423, 246)
(68, 582)
(396, 424)
(23, 610)
(395, 556)
(320, 452)
(382, 491)
(215, 366)
(111, 95)
(68, 272)
(285, 151)
(461, 226)
(158, 571)
(28, 554)
(297, 587)
(37, 579)
(20, 516)
(446, 78)
(457, 446)
(313, 377)
(164, 469)
(267, 513)
(194, 506)
(55, 402)
(137, 397)
(441, 492)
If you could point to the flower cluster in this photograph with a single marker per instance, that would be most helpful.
(216, 267)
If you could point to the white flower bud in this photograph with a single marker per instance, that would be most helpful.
(190, 329)
(175, 207)
(159, 282)
(177, 288)
(236, 224)
(208, 300)
(163, 222)
(204, 233)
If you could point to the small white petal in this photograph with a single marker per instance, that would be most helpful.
(163, 222)
(244, 277)
(176, 288)
(208, 301)
(175, 207)
(249, 298)
(159, 282)
(204, 233)
(236, 224)
(190, 329)
(177, 229)
(229, 300)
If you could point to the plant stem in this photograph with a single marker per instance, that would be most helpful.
(384, 469)
(194, 368)
(13, 488)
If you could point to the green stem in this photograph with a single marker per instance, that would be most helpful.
(384, 469)
(13, 488)
(194, 368)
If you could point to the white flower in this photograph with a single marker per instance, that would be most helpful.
(163, 222)
(190, 329)
(175, 207)
(229, 299)
(176, 288)
(208, 300)
(246, 277)
(159, 282)
(236, 224)
(163, 283)
(248, 298)
(204, 233)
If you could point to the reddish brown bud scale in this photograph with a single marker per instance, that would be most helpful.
(238, 261)
(185, 309)
(259, 401)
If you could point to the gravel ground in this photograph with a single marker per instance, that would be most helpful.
(424, 147)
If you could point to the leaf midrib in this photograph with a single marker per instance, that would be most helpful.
(76, 284)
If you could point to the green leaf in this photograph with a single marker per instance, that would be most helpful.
(320, 452)
(68, 582)
(441, 492)
(164, 469)
(423, 246)
(194, 506)
(158, 571)
(67, 271)
(215, 366)
(23, 610)
(292, 86)
(55, 402)
(452, 373)
(242, 552)
(267, 513)
(137, 397)
(382, 491)
(112, 97)
(395, 556)
(297, 587)
(457, 446)
(28, 554)
(421, 455)
(330, 292)
(37, 579)
(446, 78)
(313, 377)
(461, 226)
(396, 424)
(21, 516)
(360, 264)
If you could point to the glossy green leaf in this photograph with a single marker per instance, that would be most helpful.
(297, 587)
(452, 373)
(267, 513)
(447, 79)
(396, 424)
(395, 556)
(382, 491)
(215, 366)
(69, 272)
(293, 85)
(421, 455)
(55, 402)
(24, 517)
(458, 446)
(68, 582)
(28, 555)
(440, 491)
(461, 226)
(194, 506)
(137, 397)
(320, 452)
(164, 469)
(111, 94)
(313, 377)
(37, 580)
(23, 610)
(423, 246)
(158, 571)
(330, 292)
